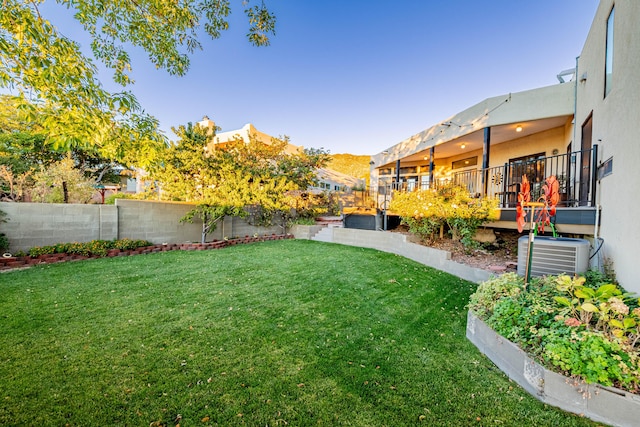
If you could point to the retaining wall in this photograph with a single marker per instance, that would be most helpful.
(398, 244)
(603, 404)
(41, 224)
(38, 224)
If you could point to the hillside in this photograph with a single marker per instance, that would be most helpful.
(351, 164)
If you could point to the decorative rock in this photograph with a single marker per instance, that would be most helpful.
(485, 236)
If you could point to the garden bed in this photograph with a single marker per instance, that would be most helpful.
(603, 404)
(11, 262)
(498, 256)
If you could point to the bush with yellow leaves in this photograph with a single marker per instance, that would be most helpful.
(426, 212)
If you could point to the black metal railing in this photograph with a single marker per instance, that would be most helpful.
(575, 171)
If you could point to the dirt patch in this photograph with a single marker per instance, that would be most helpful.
(499, 256)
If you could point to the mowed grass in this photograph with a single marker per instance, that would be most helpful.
(293, 333)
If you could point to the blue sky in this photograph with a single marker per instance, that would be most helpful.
(358, 76)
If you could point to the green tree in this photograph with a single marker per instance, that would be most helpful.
(24, 150)
(61, 182)
(235, 178)
(52, 82)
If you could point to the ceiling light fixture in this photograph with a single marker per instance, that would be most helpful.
(463, 146)
(518, 128)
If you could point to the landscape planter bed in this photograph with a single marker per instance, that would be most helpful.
(8, 263)
(602, 404)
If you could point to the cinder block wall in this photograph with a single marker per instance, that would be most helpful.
(40, 224)
(241, 228)
(157, 222)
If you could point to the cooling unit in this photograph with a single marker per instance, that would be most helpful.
(553, 255)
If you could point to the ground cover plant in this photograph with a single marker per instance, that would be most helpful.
(583, 327)
(276, 333)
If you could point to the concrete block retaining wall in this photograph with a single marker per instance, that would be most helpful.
(39, 224)
(157, 222)
(397, 243)
(43, 224)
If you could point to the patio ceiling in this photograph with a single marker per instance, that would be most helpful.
(499, 135)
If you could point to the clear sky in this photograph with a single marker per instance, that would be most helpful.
(358, 76)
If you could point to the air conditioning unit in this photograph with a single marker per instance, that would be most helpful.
(554, 255)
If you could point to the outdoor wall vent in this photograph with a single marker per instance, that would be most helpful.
(554, 255)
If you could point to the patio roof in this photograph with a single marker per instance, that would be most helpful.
(535, 111)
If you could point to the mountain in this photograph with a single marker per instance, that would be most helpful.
(356, 166)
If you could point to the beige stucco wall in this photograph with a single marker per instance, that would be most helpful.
(615, 130)
(543, 142)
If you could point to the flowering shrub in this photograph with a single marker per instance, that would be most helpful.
(129, 244)
(41, 250)
(426, 211)
(94, 247)
(582, 328)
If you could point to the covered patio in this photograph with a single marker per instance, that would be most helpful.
(489, 147)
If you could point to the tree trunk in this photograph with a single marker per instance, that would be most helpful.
(65, 192)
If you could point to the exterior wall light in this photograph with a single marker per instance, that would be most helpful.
(518, 128)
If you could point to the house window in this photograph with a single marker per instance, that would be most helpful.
(458, 164)
(608, 70)
(385, 171)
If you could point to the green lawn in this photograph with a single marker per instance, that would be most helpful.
(270, 334)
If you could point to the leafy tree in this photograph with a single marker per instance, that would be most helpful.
(62, 183)
(234, 178)
(54, 83)
(24, 150)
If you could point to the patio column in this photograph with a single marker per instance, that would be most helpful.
(486, 149)
(398, 174)
(432, 155)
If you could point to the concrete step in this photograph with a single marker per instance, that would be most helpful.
(324, 235)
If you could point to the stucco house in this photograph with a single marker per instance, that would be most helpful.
(582, 130)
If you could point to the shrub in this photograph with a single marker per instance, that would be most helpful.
(4, 242)
(111, 198)
(426, 211)
(585, 330)
(594, 357)
(129, 244)
(41, 250)
(94, 247)
(483, 301)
